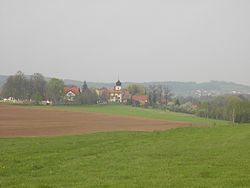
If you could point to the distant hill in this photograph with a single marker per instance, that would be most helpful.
(93, 84)
(211, 88)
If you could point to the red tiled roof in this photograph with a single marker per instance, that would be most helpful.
(140, 97)
(75, 90)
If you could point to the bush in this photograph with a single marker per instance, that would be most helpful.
(184, 108)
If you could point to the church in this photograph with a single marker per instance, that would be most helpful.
(116, 94)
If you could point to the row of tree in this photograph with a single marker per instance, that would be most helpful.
(231, 108)
(36, 88)
(159, 95)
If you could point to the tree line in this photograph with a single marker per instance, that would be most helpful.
(231, 108)
(20, 87)
(36, 88)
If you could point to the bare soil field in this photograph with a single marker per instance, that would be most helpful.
(18, 121)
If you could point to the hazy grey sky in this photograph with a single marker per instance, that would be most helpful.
(157, 40)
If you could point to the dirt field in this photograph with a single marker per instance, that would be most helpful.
(28, 121)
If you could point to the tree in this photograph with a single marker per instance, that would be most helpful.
(234, 106)
(16, 86)
(84, 86)
(177, 102)
(104, 95)
(9, 89)
(167, 94)
(88, 97)
(153, 95)
(38, 87)
(159, 95)
(55, 90)
(136, 89)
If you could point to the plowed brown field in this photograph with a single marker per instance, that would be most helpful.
(30, 121)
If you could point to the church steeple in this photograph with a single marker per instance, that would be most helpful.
(118, 83)
(117, 96)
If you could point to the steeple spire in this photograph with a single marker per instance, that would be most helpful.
(118, 83)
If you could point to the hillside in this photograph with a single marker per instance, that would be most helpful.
(212, 156)
(206, 88)
(178, 88)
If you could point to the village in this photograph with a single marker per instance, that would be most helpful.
(69, 94)
(37, 90)
(117, 94)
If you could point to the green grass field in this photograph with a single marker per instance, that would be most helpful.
(213, 156)
(139, 112)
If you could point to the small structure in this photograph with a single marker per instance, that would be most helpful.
(140, 99)
(71, 93)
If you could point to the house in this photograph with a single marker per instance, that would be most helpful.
(140, 99)
(71, 93)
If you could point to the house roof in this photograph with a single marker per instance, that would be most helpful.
(140, 97)
(75, 90)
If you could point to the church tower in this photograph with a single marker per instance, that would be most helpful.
(118, 85)
(118, 91)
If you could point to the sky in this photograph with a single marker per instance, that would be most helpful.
(139, 40)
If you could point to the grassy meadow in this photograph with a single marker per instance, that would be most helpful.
(126, 110)
(212, 156)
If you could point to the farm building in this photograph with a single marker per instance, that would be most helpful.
(140, 99)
